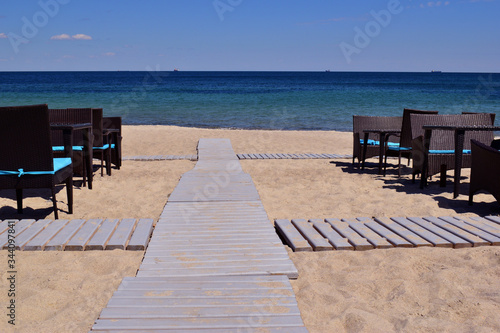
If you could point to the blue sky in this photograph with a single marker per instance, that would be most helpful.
(314, 35)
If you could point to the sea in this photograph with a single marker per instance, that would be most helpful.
(253, 100)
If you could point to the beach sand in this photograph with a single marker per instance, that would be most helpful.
(417, 290)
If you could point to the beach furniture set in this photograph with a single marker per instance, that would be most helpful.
(42, 147)
(435, 143)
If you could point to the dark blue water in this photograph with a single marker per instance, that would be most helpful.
(255, 100)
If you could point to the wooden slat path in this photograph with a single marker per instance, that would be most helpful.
(80, 235)
(214, 262)
(239, 156)
(366, 233)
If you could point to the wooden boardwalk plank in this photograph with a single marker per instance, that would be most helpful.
(252, 329)
(457, 242)
(429, 236)
(287, 269)
(78, 241)
(317, 241)
(293, 238)
(221, 278)
(141, 235)
(338, 241)
(495, 219)
(388, 234)
(102, 235)
(473, 239)
(122, 234)
(200, 323)
(482, 224)
(28, 234)
(359, 243)
(4, 226)
(377, 241)
(58, 242)
(492, 239)
(403, 232)
(38, 243)
(156, 263)
(19, 227)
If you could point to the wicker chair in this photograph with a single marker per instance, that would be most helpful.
(440, 151)
(114, 124)
(361, 123)
(72, 116)
(27, 158)
(404, 147)
(484, 174)
(102, 144)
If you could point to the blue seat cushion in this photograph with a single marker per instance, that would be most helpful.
(376, 143)
(451, 151)
(104, 147)
(397, 148)
(59, 163)
(61, 148)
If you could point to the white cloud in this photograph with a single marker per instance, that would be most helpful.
(109, 54)
(68, 37)
(82, 36)
(61, 37)
(3, 35)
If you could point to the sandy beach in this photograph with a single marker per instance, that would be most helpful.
(396, 290)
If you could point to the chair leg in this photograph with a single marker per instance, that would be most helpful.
(69, 193)
(54, 202)
(399, 164)
(102, 163)
(19, 197)
(470, 199)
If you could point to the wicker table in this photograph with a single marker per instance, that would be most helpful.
(459, 145)
(67, 130)
(382, 133)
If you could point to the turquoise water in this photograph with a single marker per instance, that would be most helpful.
(255, 100)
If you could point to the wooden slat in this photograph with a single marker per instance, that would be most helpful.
(141, 235)
(429, 236)
(102, 235)
(494, 219)
(31, 232)
(494, 240)
(372, 237)
(487, 221)
(457, 242)
(38, 243)
(4, 226)
(482, 224)
(476, 241)
(339, 242)
(19, 227)
(388, 234)
(288, 329)
(293, 238)
(122, 234)
(317, 241)
(58, 242)
(403, 232)
(287, 269)
(359, 243)
(78, 241)
(200, 323)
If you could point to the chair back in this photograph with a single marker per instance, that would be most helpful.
(492, 115)
(69, 117)
(445, 140)
(361, 123)
(25, 138)
(406, 132)
(97, 127)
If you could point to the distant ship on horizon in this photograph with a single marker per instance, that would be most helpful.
(434, 71)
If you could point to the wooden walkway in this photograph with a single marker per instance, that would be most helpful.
(77, 235)
(214, 262)
(240, 156)
(366, 233)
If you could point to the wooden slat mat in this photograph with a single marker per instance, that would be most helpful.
(214, 262)
(268, 156)
(79, 235)
(366, 233)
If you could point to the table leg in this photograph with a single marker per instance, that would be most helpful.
(87, 147)
(459, 148)
(381, 141)
(365, 147)
(427, 142)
